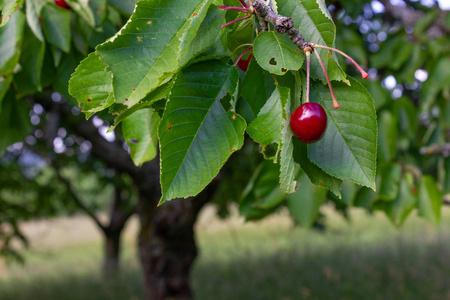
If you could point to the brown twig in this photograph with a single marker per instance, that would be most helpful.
(282, 24)
(443, 150)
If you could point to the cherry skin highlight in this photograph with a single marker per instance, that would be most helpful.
(62, 4)
(243, 63)
(308, 122)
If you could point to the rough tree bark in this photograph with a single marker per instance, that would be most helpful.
(167, 246)
(113, 233)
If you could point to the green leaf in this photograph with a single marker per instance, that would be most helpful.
(402, 54)
(7, 8)
(437, 80)
(348, 191)
(351, 42)
(196, 134)
(11, 36)
(99, 9)
(390, 181)
(349, 147)
(148, 50)
(262, 195)
(57, 55)
(405, 201)
(379, 94)
(386, 55)
(316, 175)
(28, 79)
(365, 198)
(67, 67)
(316, 26)
(5, 83)
(429, 200)
(33, 9)
(266, 128)
(276, 53)
(91, 85)
(161, 92)
(126, 6)
(56, 25)
(304, 205)
(140, 131)
(288, 168)
(407, 113)
(446, 187)
(217, 50)
(14, 120)
(388, 137)
(81, 7)
(239, 33)
(256, 87)
(206, 34)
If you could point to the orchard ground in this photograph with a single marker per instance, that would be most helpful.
(366, 258)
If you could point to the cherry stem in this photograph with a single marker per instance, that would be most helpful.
(240, 46)
(364, 74)
(308, 60)
(236, 8)
(242, 54)
(234, 21)
(335, 103)
(243, 3)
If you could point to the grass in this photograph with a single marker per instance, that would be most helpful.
(366, 258)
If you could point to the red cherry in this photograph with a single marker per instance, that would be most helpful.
(243, 63)
(308, 122)
(62, 4)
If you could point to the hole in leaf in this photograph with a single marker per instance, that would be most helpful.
(226, 102)
(133, 141)
(270, 151)
(284, 70)
(273, 61)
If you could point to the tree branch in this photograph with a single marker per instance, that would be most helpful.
(444, 150)
(282, 24)
(111, 153)
(409, 17)
(75, 198)
(118, 215)
(446, 200)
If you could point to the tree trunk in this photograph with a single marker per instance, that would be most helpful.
(167, 245)
(119, 215)
(112, 253)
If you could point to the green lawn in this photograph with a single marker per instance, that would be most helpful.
(366, 258)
